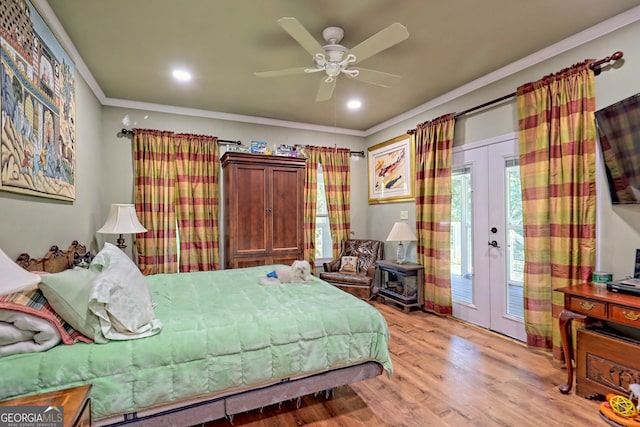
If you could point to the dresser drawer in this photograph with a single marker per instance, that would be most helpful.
(626, 315)
(588, 307)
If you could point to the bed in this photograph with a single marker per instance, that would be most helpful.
(227, 345)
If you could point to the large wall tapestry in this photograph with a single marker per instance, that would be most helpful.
(38, 106)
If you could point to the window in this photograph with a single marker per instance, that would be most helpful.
(515, 248)
(324, 244)
(461, 235)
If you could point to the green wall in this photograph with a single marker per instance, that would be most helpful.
(32, 224)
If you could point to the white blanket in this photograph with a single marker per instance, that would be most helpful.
(25, 333)
(14, 277)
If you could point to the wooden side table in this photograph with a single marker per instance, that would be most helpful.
(402, 284)
(75, 401)
(589, 302)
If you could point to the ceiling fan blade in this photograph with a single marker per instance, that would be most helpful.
(325, 91)
(393, 34)
(376, 77)
(301, 35)
(278, 73)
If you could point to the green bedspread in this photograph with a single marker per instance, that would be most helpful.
(222, 332)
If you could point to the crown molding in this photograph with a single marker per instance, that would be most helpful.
(592, 33)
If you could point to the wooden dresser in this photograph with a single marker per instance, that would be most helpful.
(75, 402)
(263, 209)
(607, 354)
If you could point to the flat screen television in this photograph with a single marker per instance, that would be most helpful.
(619, 134)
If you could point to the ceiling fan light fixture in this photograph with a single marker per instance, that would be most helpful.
(332, 69)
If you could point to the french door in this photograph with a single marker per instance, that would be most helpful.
(487, 238)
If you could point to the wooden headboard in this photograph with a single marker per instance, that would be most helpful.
(54, 261)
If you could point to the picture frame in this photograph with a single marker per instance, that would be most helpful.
(391, 170)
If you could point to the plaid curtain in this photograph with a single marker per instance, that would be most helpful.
(154, 195)
(310, 198)
(336, 169)
(434, 149)
(197, 166)
(557, 138)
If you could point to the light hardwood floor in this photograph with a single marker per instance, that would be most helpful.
(446, 373)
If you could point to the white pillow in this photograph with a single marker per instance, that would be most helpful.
(13, 277)
(120, 297)
(349, 264)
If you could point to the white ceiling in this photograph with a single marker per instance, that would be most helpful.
(129, 49)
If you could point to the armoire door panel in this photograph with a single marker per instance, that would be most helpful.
(287, 203)
(251, 198)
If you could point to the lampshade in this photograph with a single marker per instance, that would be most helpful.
(122, 219)
(401, 232)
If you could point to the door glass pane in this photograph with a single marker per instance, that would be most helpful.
(515, 243)
(461, 232)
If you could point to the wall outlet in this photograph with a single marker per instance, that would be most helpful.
(404, 214)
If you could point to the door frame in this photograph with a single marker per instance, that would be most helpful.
(483, 312)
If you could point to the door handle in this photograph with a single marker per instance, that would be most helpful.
(494, 244)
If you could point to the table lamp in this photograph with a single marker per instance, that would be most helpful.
(122, 219)
(401, 232)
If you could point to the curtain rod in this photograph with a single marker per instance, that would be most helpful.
(595, 66)
(128, 133)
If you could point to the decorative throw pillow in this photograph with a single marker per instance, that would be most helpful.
(120, 297)
(349, 264)
(15, 278)
(68, 294)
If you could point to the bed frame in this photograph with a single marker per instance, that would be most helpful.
(54, 261)
(220, 405)
(209, 408)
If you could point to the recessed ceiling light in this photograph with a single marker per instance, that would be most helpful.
(354, 104)
(182, 75)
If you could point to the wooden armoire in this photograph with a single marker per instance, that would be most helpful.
(263, 209)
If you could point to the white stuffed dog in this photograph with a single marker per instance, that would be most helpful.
(299, 272)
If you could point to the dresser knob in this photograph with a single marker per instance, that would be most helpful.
(587, 305)
(631, 315)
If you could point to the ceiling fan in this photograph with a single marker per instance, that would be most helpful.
(334, 59)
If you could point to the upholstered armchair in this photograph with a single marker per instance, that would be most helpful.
(359, 282)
